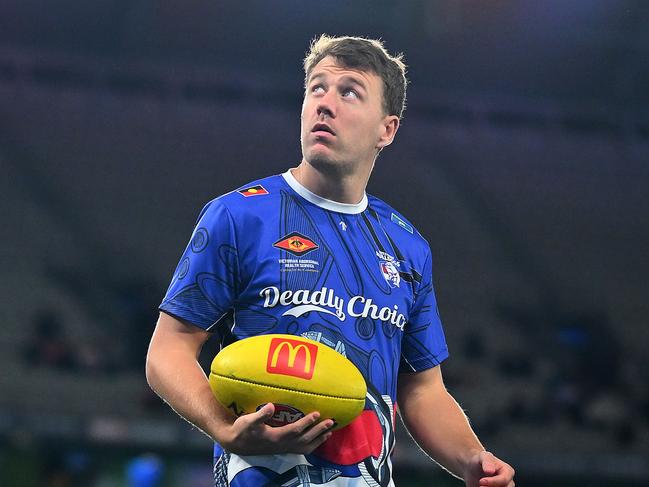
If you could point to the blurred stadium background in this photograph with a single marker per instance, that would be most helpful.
(523, 158)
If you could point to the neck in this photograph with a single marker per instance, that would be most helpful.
(343, 188)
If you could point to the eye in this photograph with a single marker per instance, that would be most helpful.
(317, 89)
(350, 93)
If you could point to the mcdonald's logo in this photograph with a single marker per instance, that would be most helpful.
(291, 357)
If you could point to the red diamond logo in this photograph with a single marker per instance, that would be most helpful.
(296, 243)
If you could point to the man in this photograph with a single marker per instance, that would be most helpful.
(314, 230)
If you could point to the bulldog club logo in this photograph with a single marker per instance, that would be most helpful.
(390, 273)
(389, 268)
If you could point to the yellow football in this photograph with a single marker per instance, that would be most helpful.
(296, 374)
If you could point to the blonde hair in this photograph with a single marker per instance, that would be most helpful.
(367, 55)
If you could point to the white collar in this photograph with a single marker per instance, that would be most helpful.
(324, 202)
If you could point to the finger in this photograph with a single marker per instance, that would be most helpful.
(262, 415)
(316, 442)
(303, 424)
(317, 430)
(503, 479)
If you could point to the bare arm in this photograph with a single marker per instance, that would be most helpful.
(173, 372)
(440, 427)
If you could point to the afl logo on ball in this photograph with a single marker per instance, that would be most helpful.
(284, 414)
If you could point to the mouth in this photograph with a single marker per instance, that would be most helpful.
(321, 129)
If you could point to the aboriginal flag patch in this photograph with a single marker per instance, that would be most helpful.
(296, 243)
(257, 190)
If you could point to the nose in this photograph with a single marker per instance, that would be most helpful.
(326, 105)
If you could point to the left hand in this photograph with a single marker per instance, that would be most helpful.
(486, 470)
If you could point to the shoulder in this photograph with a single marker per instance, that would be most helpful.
(254, 194)
(252, 198)
(397, 226)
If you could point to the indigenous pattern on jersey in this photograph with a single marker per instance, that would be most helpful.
(357, 278)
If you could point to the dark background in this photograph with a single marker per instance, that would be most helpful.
(523, 159)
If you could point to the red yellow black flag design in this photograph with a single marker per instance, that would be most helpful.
(257, 190)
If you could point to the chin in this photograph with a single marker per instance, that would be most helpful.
(327, 165)
(324, 163)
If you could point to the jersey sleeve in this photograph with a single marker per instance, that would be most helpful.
(424, 344)
(205, 284)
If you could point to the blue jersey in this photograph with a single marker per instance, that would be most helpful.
(272, 257)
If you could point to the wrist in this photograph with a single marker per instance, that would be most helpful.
(215, 421)
(221, 431)
(469, 459)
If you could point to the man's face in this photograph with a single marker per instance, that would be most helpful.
(343, 123)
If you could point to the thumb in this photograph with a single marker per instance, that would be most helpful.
(263, 413)
(488, 464)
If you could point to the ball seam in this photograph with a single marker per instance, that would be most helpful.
(290, 390)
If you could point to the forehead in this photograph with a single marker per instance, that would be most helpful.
(330, 67)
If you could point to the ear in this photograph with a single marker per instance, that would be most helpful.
(388, 130)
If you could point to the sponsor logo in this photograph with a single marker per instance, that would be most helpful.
(284, 414)
(257, 190)
(402, 223)
(307, 265)
(238, 411)
(325, 301)
(385, 256)
(291, 357)
(296, 244)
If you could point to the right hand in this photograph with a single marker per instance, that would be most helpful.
(250, 435)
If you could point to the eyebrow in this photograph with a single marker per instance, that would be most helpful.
(347, 79)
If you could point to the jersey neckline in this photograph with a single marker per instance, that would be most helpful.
(348, 208)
